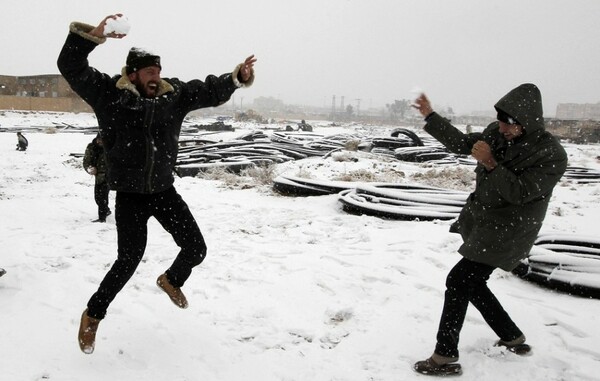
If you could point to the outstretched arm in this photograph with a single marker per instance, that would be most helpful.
(215, 91)
(441, 129)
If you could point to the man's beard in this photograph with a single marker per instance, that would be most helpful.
(150, 90)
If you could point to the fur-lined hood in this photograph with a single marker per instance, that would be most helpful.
(125, 84)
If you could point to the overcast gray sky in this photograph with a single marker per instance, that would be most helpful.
(463, 54)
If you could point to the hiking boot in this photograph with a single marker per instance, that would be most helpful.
(103, 215)
(100, 220)
(2, 272)
(174, 293)
(87, 333)
(516, 346)
(438, 365)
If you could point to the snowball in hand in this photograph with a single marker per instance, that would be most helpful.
(416, 93)
(120, 25)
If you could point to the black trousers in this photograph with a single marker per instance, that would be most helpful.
(467, 282)
(101, 197)
(132, 212)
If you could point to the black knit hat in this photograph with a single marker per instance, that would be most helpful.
(504, 117)
(138, 59)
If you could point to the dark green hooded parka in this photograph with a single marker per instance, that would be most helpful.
(503, 216)
(94, 157)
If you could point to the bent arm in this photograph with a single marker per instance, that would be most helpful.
(215, 91)
(73, 63)
(451, 137)
(536, 181)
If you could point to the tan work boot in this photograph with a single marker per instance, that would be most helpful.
(438, 365)
(516, 346)
(174, 293)
(87, 333)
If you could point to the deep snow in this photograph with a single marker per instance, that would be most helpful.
(291, 289)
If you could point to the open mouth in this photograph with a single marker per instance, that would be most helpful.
(151, 89)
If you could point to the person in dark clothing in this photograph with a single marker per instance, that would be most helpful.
(22, 142)
(303, 126)
(140, 116)
(519, 164)
(94, 164)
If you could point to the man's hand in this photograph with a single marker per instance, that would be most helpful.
(482, 152)
(247, 68)
(99, 30)
(423, 105)
(92, 171)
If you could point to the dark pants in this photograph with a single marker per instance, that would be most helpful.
(132, 212)
(101, 197)
(467, 282)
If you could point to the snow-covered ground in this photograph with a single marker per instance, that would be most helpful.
(291, 289)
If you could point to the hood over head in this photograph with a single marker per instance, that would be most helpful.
(524, 105)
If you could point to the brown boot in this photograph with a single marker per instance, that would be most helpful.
(87, 332)
(516, 346)
(174, 293)
(438, 365)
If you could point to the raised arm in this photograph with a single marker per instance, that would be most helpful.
(440, 128)
(73, 63)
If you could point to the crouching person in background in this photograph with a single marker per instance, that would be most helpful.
(22, 142)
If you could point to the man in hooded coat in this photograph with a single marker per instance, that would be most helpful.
(519, 163)
(94, 163)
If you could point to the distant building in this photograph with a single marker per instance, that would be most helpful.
(578, 131)
(44, 86)
(574, 111)
(47, 92)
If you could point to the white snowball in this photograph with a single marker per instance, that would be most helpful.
(417, 91)
(120, 25)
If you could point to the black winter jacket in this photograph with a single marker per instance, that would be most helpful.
(140, 134)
